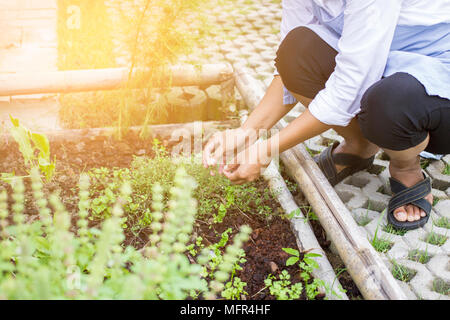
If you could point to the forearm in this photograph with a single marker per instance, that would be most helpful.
(270, 110)
(301, 129)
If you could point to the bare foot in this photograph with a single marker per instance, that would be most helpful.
(409, 177)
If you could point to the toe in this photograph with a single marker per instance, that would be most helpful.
(422, 213)
(400, 214)
(416, 214)
(410, 212)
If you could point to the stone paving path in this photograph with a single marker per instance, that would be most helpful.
(247, 36)
(28, 43)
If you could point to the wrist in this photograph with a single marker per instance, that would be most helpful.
(265, 152)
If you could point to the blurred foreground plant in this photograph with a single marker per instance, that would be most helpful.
(47, 259)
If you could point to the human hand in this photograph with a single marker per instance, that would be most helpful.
(248, 165)
(226, 144)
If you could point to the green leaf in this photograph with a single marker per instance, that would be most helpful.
(14, 121)
(312, 255)
(291, 261)
(312, 263)
(21, 136)
(295, 213)
(41, 143)
(291, 251)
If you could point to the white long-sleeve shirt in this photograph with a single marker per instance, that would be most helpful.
(363, 32)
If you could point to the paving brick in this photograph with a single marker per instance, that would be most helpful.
(440, 266)
(443, 208)
(435, 170)
(422, 282)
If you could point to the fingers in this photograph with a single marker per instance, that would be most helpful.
(209, 149)
(231, 171)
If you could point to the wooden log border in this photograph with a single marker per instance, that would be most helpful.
(304, 235)
(173, 132)
(109, 79)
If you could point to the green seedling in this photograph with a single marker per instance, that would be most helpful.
(35, 149)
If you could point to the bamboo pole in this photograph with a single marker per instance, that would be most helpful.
(108, 79)
(163, 131)
(304, 235)
(363, 263)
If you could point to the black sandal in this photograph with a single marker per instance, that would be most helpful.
(414, 195)
(327, 163)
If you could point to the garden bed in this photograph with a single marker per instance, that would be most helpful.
(252, 205)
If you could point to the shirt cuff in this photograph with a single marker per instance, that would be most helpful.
(328, 113)
(288, 98)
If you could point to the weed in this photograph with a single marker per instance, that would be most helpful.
(446, 170)
(442, 222)
(442, 287)
(390, 229)
(401, 272)
(419, 256)
(435, 239)
(234, 289)
(424, 163)
(283, 289)
(380, 244)
(307, 265)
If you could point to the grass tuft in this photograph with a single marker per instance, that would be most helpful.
(402, 273)
(442, 222)
(419, 256)
(435, 239)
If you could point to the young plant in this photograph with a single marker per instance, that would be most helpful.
(31, 144)
(442, 222)
(234, 289)
(283, 289)
(380, 244)
(402, 273)
(446, 170)
(53, 261)
(307, 266)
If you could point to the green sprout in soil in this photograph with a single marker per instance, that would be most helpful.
(419, 256)
(442, 222)
(364, 220)
(424, 163)
(435, 201)
(401, 272)
(380, 244)
(435, 239)
(442, 287)
(307, 265)
(282, 288)
(390, 229)
(446, 170)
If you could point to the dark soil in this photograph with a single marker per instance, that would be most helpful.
(338, 265)
(264, 252)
